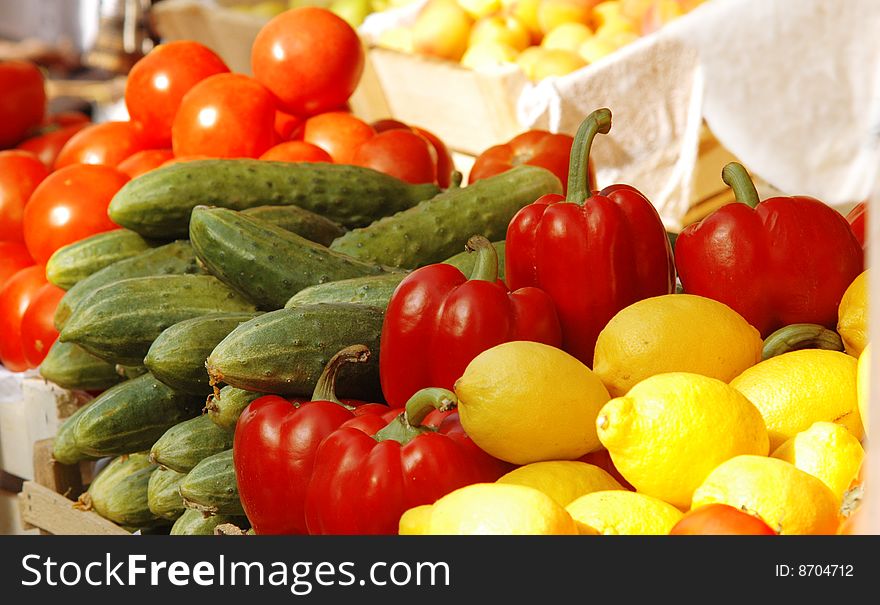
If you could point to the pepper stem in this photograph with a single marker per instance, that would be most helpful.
(580, 186)
(795, 337)
(486, 267)
(407, 425)
(737, 178)
(325, 389)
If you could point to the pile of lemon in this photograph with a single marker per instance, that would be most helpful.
(687, 408)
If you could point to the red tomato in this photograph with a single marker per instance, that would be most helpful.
(720, 520)
(400, 153)
(108, 144)
(158, 82)
(225, 116)
(47, 146)
(65, 118)
(22, 101)
(20, 173)
(38, 331)
(288, 127)
(339, 134)
(309, 58)
(445, 165)
(13, 258)
(15, 296)
(388, 124)
(535, 147)
(857, 219)
(296, 151)
(144, 161)
(180, 159)
(69, 205)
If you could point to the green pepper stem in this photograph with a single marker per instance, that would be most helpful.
(407, 425)
(737, 178)
(486, 266)
(795, 337)
(580, 186)
(325, 389)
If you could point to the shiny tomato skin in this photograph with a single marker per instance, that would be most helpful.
(106, 144)
(445, 164)
(47, 146)
(143, 161)
(720, 520)
(15, 297)
(14, 257)
(311, 60)
(296, 151)
(20, 173)
(338, 133)
(535, 148)
(69, 205)
(22, 101)
(400, 153)
(38, 331)
(388, 124)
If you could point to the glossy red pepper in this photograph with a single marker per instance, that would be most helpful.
(857, 218)
(365, 478)
(438, 320)
(275, 444)
(786, 260)
(594, 254)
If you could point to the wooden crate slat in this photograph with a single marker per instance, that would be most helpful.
(52, 512)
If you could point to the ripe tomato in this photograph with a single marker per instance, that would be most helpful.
(309, 58)
(20, 173)
(720, 520)
(64, 118)
(22, 101)
(535, 147)
(15, 296)
(68, 205)
(180, 159)
(158, 82)
(47, 146)
(400, 153)
(225, 116)
(296, 151)
(857, 218)
(339, 134)
(143, 161)
(13, 258)
(288, 127)
(388, 124)
(108, 144)
(445, 165)
(38, 331)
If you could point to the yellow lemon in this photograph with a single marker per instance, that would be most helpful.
(852, 316)
(498, 509)
(796, 389)
(623, 513)
(674, 333)
(562, 480)
(828, 452)
(415, 521)
(526, 402)
(567, 36)
(668, 433)
(862, 385)
(788, 499)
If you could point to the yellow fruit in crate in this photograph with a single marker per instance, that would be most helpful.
(863, 384)
(796, 389)
(659, 14)
(623, 513)
(553, 13)
(526, 12)
(415, 521)
(852, 316)
(505, 30)
(352, 11)
(498, 509)
(552, 62)
(789, 500)
(674, 333)
(610, 17)
(562, 480)
(526, 402)
(596, 48)
(635, 9)
(669, 431)
(480, 8)
(568, 36)
(527, 60)
(442, 29)
(828, 452)
(486, 55)
(397, 38)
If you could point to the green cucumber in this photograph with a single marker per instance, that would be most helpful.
(309, 225)
(263, 262)
(438, 228)
(211, 487)
(119, 492)
(176, 258)
(225, 407)
(285, 351)
(464, 261)
(131, 416)
(163, 495)
(75, 262)
(120, 321)
(372, 290)
(64, 448)
(194, 523)
(177, 356)
(72, 367)
(158, 204)
(186, 444)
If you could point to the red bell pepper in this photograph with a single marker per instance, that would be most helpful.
(438, 320)
(856, 219)
(594, 254)
(786, 260)
(365, 478)
(275, 443)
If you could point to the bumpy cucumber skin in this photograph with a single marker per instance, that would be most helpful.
(194, 523)
(309, 225)
(120, 321)
(131, 416)
(263, 262)
(64, 448)
(163, 497)
(176, 258)
(177, 356)
(75, 262)
(72, 367)
(373, 290)
(438, 228)
(119, 492)
(211, 486)
(285, 351)
(464, 261)
(186, 444)
(158, 204)
(225, 408)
